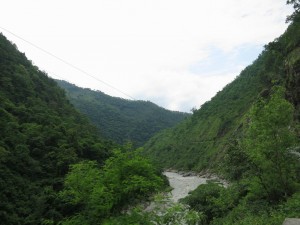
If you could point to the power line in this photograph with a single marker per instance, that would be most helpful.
(69, 64)
(55, 75)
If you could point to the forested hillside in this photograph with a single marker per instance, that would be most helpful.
(249, 133)
(54, 167)
(41, 135)
(200, 141)
(119, 119)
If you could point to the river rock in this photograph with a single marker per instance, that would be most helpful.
(182, 185)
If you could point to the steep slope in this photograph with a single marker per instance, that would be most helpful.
(200, 141)
(41, 135)
(119, 119)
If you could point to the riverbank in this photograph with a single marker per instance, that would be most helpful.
(203, 174)
(183, 184)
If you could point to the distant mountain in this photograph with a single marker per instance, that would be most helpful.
(201, 141)
(119, 119)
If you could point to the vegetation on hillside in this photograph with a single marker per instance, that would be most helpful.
(119, 119)
(200, 142)
(259, 131)
(263, 167)
(54, 167)
(95, 194)
(255, 146)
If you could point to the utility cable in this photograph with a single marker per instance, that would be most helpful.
(69, 64)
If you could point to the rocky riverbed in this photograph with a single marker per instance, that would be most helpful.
(182, 184)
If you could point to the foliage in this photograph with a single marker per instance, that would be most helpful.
(268, 142)
(95, 193)
(266, 187)
(198, 142)
(236, 162)
(231, 206)
(202, 199)
(213, 200)
(119, 119)
(130, 176)
(249, 132)
(261, 150)
(163, 212)
(295, 15)
(41, 135)
(201, 141)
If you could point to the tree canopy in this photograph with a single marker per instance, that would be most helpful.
(120, 119)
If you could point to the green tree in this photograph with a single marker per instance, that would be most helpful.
(84, 191)
(162, 212)
(296, 6)
(268, 142)
(130, 176)
(94, 194)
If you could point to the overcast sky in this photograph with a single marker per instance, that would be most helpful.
(175, 53)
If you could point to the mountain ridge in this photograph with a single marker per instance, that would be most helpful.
(119, 119)
(200, 142)
(41, 135)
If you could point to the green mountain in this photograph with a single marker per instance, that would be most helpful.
(201, 141)
(119, 119)
(54, 166)
(56, 169)
(41, 135)
(249, 134)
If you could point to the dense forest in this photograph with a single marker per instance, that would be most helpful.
(54, 166)
(57, 168)
(200, 141)
(249, 133)
(119, 119)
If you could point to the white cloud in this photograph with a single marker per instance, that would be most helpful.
(145, 48)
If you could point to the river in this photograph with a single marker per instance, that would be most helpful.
(182, 185)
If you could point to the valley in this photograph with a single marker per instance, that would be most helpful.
(75, 156)
(121, 120)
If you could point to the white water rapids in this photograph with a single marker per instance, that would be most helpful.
(182, 185)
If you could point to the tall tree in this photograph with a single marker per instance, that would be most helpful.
(268, 143)
(296, 6)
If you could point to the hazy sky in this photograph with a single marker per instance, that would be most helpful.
(175, 53)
